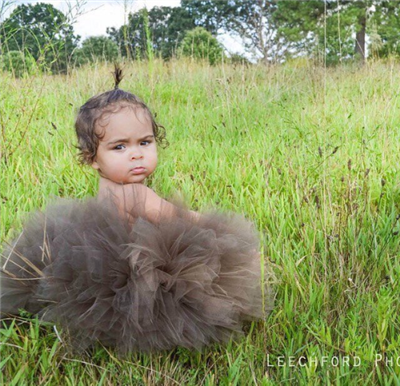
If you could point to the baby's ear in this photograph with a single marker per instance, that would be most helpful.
(95, 165)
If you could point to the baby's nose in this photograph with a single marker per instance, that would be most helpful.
(136, 155)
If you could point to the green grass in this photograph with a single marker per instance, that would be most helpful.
(309, 154)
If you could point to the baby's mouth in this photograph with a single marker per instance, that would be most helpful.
(138, 170)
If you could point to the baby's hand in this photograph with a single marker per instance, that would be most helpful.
(196, 216)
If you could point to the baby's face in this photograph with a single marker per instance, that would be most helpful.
(128, 143)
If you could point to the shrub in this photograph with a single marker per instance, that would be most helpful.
(18, 63)
(200, 44)
(236, 58)
(96, 48)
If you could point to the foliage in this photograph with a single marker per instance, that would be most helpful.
(209, 14)
(321, 29)
(42, 32)
(236, 58)
(200, 44)
(386, 25)
(337, 29)
(18, 63)
(96, 48)
(252, 21)
(167, 26)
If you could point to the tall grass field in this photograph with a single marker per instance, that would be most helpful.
(309, 154)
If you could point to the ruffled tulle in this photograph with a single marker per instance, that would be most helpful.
(140, 285)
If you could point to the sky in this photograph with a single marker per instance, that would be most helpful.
(95, 15)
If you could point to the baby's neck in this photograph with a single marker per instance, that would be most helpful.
(104, 186)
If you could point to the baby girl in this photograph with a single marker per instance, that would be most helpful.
(118, 137)
(166, 277)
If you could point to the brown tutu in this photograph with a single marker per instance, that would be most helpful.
(147, 286)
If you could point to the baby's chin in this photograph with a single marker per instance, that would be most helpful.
(124, 182)
(130, 182)
(138, 180)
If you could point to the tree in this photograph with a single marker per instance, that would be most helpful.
(250, 20)
(276, 29)
(167, 26)
(385, 28)
(96, 48)
(316, 28)
(40, 31)
(338, 28)
(200, 44)
(209, 14)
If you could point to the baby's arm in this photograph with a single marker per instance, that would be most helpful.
(147, 202)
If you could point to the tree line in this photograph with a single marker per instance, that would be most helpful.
(332, 31)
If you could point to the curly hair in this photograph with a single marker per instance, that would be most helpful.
(96, 107)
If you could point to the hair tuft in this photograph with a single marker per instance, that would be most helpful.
(117, 73)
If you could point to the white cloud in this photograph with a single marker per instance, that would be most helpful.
(102, 14)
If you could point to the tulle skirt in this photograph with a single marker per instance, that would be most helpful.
(135, 286)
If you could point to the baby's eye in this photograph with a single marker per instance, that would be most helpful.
(117, 147)
(148, 142)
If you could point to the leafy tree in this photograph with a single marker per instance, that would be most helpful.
(96, 48)
(200, 44)
(167, 26)
(338, 28)
(320, 27)
(385, 29)
(131, 39)
(251, 20)
(330, 29)
(209, 14)
(41, 31)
